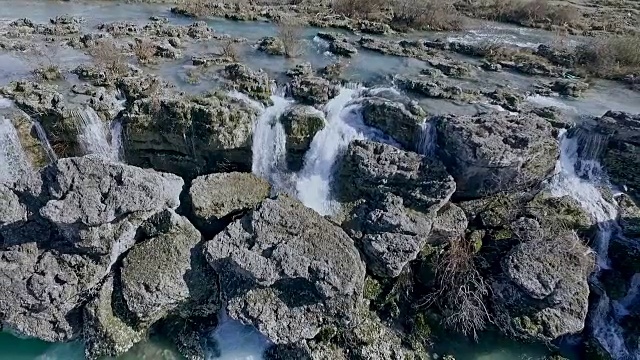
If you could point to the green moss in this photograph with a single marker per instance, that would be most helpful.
(527, 325)
(502, 234)
(372, 288)
(421, 326)
(326, 334)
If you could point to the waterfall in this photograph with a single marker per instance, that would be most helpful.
(13, 161)
(344, 124)
(236, 341)
(93, 137)
(44, 141)
(269, 142)
(426, 143)
(578, 177)
(5, 103)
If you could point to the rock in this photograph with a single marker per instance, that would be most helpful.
(439, 89)
(374, 27)
(271, 45)
(490, 66)
(90, 191)
(562, 57)
(506, 98)
(301, 123)
(544, 292)
(292, 271)
(404, 191)
(334, 71)
(494, 152)
(166, 273)
(449, 225)
(555, 214)
(311, 90)
(397, 116)
(338, 44)
(629, 216)
(302, 70)
(189, 135)
(67, 20)
(255, 84)
(622, 155)
(166, 50)
(573, 88)
(106, 333)
(449, 68)
(218, 196)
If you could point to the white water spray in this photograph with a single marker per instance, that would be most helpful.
(93, 135)
(44, 141)
(236, 341)
(578, 177)
(426, 143)
(13, 161)
(344, 124)
(269, 141)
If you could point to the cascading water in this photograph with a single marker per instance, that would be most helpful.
(426, 143)
(269, 142)
(44, 141)
(344, 124)
(93, 135)
(236, 341)
(579, 177)
(13, 161)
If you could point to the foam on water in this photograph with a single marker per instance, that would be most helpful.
(236, 341)
(5, 103)
(13, 161)
(93, 136)
(550, 101)
(269, 141)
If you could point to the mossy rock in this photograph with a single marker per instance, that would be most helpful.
(629, 216)
(372, 288)
(558, 214)
(29, 140)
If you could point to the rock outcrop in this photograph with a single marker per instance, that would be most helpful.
(59, 244)
(495, 152)
(403, 192)
(544, 292)
(216, 197)
(311, 90)
(301, 123)
(287, 270)
(397, 116)
(189, 136)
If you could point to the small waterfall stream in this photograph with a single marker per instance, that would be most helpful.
(13, 161)
(44, 141)
(93, 136)
(269, 142)
(426, 142)
(578, 175)
(236, 341)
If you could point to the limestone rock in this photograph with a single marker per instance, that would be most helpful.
(216, 196)
(544, 291)
(450, 223)
(493, 152)
(287, 270)
(166, 273)
(271, 45)
(105, 332)
(311, 90)
(397, 116)
(301, 123)
(403, 193)
(255, 83)
(189, 136)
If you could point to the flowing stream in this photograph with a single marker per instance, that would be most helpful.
(579, 175)
(94, 137)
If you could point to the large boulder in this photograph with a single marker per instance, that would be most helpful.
(496, 152)
(403, 192)
(255, 83)
(286, 270)
(58, 244)
(312, 90)
(301, 123)
(543, 292)
(189, 136)
(397, 116)
(167, 273)
(218, 196)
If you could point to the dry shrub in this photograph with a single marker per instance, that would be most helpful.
(533, 11)
(365, 9)
(144, 50)
(290, 32)
(610, 56)
(107, 53)
(426, 15)
(461, 291)
(228, 49)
